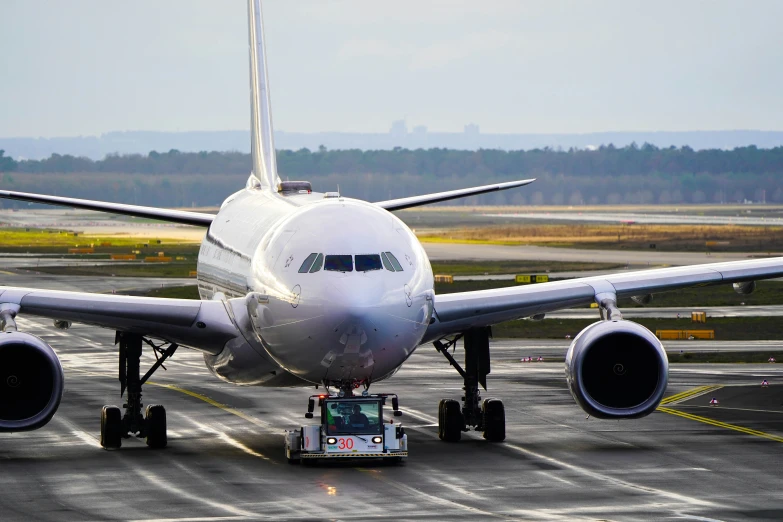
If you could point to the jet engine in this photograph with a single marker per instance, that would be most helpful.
(617, 370)
(31, 382)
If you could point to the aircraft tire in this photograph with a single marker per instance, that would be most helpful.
(155, 417)
(494, 420)
(111, 427)
(450, 421)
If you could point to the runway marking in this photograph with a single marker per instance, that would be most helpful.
(79, 433)
(689, 394)
(214, 403)
(191, 519)
(226, 438)
(432, 498)
(720, 424)
(158, 481)
(683, 499)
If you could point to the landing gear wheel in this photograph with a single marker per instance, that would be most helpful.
(494, 420)
(155, 420)
(450, 421)
(111, 427)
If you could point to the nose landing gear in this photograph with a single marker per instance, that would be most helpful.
(152, 425)
(487, 416)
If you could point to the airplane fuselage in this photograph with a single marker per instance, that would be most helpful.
(336, 290)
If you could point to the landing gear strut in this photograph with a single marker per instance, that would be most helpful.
(152, 424)
(487, 416)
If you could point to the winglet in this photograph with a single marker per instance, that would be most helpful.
(262, 142)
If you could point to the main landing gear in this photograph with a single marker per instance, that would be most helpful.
(488, 416)
(150, 426)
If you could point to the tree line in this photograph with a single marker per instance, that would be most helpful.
(606, 175)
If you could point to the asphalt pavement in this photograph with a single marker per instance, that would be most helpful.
(688, 461)
(225, 456)
(450, 251)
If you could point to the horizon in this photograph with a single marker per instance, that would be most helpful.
(410, 131)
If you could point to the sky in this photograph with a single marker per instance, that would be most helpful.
(85, 67)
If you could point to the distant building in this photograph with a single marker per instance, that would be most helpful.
(399, 129)
(420, 130)
(471, 129)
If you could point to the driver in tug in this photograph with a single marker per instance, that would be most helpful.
(358, 419)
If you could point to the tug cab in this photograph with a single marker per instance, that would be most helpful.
(350, 427)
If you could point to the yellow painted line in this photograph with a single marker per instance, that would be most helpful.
(719, 424)
(214, 403)
(698, 392)
(684, 394)
(687, 393)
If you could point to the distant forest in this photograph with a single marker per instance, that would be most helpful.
(607, 175)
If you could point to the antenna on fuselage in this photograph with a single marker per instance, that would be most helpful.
(262, 145)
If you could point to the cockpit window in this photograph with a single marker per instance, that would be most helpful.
(386, 263)
(367, 262)
(339, 263)
(396, 264)
(308, 262)
(319, 262)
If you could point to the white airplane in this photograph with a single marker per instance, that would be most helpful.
(306, 289)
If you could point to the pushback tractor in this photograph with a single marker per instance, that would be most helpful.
(350, 428)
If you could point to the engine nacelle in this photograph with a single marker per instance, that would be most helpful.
(31, 382)
(617, 370)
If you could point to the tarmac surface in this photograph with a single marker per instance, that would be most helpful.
(30, 278)
(633, 217)
(449, 251)
(225, 461)
(225, 456)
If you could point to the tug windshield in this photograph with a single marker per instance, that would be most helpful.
(353, 417)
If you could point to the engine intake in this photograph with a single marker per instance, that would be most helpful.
(31, 382)
(617, 370)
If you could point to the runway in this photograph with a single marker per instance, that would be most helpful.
(450, 251)
(225, 459)
(30, 278)
(633, 217)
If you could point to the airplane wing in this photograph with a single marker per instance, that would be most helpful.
(464, 310)
(426, 199)
(203, 325)
(184, 217)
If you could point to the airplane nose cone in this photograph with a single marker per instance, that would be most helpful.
(363, 317)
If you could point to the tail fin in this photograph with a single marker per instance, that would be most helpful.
(262, 142)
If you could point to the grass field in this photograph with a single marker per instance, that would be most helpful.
(726, 329)
(175, 292)
(49, 241)
(686, 238)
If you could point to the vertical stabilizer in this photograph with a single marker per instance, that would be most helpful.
(262, 142)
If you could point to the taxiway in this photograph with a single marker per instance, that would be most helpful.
(225, 456)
